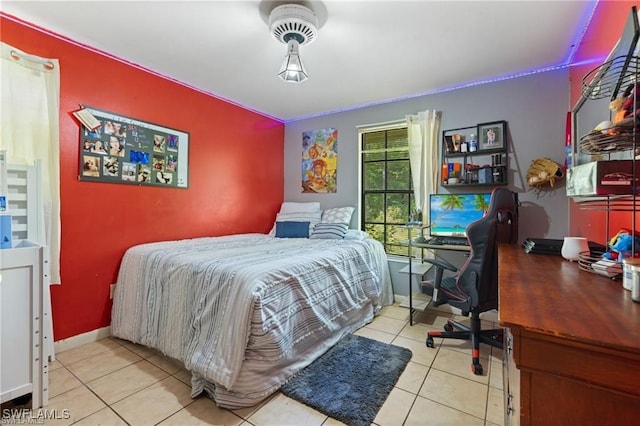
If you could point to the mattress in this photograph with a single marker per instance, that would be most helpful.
(246, 312)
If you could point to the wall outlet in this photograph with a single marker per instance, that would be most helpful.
(112, 288)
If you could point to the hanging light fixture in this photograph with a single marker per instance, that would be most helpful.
(295, 25)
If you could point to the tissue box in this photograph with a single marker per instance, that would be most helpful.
(606, 177)
(5, 231)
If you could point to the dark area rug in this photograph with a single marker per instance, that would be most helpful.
(351, 381)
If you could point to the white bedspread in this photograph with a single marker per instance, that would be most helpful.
(241, 310)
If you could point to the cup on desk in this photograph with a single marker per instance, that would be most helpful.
(631, 277)
(573, 246)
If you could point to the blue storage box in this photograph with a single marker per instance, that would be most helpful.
(5, 231)
(485, 175)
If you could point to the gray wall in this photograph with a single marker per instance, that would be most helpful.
(534, 106)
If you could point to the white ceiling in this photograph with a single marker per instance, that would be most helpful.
(367, 52)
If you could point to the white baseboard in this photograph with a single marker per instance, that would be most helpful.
(82, 339)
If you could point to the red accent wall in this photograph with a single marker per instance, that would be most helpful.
(600, 38)
(236, 173)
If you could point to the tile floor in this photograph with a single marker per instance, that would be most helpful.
(114, 382)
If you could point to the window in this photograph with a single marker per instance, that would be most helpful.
(386, 189)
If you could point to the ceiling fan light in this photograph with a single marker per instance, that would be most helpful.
(292, 69)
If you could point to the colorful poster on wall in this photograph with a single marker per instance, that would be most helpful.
(119, 149)
(320, 161)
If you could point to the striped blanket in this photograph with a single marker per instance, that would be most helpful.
(245, 312)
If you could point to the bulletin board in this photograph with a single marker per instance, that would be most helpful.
(130, 151)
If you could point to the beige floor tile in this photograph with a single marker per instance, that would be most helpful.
(169, 365)
(155, 403)
(332, 422)
(421, 353)
(427, 412)
(455, 392)
(284, 411)
(378, 335)
(463, 346)
(103, 363)
(416, 331)
(85, 351)
(184, 376)
(395, 311)
(126, 381)
(484, 324)
(202, 411)
(495, 406)
(245, 413)
(140, 350)
(497, 354)
(54, 365)
(432, 318)
(104, 417)
(386, 324)
(491, 316)
(460, 364)
(396, 408)
(495, 375)
(60, 381)
(412, 377)
(78, 403)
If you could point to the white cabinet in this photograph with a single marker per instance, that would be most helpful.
(23, 349)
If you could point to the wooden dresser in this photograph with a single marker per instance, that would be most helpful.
(575, 339)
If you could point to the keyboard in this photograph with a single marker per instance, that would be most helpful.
(449, 241)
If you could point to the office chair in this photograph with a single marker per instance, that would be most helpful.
(474, 287)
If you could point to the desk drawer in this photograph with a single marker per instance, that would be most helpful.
(610, 368)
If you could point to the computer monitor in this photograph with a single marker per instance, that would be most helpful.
(449, 214)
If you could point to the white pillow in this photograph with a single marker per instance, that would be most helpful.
(291, 207)
(312, 217)
(338, 215)
(355, 234)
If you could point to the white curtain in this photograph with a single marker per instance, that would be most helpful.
(423, 130)
(29, 124)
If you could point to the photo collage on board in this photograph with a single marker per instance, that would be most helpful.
(129, 153)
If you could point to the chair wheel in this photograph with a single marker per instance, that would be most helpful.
(477, 369)
(448, 327)
(429, 342)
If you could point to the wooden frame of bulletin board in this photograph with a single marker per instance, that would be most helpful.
(125, 150)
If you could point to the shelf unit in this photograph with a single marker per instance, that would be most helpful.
(610, 152)
(415, 268)
(27, 330)
(474, 157)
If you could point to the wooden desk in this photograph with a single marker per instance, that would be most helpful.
(576, 342)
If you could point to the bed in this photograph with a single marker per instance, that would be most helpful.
(245, 312)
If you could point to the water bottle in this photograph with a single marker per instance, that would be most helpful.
(473, 143)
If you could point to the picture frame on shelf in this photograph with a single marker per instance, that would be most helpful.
(492, 135)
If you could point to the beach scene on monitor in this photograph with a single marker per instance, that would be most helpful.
(449, 214)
